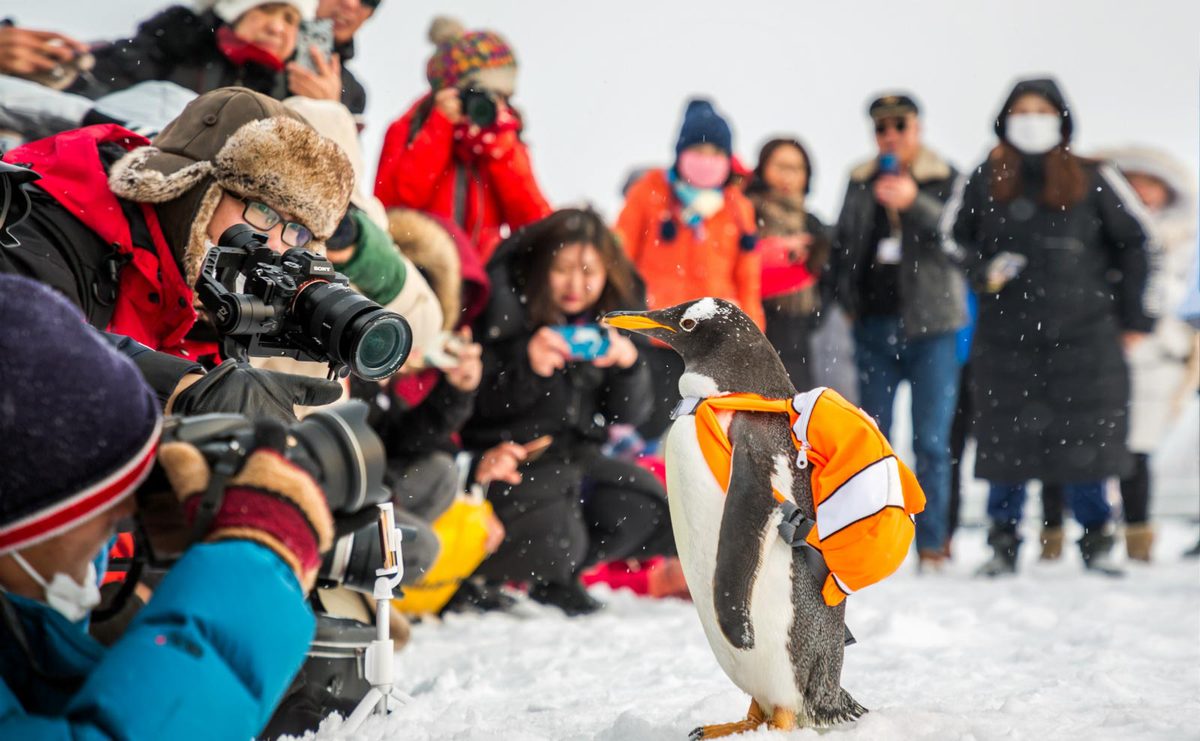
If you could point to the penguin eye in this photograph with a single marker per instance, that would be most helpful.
(688, 324)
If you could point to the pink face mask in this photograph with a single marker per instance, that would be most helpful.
(704, 170)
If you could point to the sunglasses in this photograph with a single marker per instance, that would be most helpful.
(261, 216)
(899, 124)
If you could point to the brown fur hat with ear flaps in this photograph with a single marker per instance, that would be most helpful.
(236, 140)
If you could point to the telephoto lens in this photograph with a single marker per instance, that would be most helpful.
(370, 340)
(347, 454)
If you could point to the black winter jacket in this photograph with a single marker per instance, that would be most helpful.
(1051, 387)
(932, 292)
(575, 405)
(180, 46)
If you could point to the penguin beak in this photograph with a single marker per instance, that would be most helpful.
(634, 321)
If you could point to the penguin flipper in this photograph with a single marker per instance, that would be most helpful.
(749, 506)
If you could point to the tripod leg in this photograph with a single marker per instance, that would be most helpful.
(363, 711)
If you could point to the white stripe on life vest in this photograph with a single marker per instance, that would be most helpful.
(803, 404)
(867, 492)
(841, 584)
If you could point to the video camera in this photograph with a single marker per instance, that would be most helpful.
(296, 305)
(335, 445)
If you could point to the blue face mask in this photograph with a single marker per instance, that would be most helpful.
(64, 595)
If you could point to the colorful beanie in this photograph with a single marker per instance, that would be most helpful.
(461, 54)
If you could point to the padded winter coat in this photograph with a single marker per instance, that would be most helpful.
(678, 263)
(932, 293)
(1158, 365)
(208, 657)
(108, 256)
(1050, 386)
(180, 46)
(419, 170)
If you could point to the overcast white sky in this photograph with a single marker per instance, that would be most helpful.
(602, 84)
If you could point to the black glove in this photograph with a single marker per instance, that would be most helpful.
(237, 387)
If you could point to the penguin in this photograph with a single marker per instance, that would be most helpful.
(758, 600)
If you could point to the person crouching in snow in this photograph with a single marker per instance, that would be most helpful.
(457, 152)
(214, 649)
(553, 281)
(691, 234)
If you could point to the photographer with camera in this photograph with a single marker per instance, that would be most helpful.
(120, 227)
(457, 152)
(75, 453)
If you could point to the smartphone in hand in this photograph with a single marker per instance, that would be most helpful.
(318, 33)
(587, 341)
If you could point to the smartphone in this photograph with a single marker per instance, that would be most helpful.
(587, 341)
(889, 164)
(318, 33)
(445, 352)
(1003, 268)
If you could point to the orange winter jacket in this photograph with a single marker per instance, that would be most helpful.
(864, 495)
(688, 268)
(420, 172)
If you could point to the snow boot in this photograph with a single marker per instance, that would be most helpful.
(1139, 538)
(476, 594)
(1052, 543)
(572, 598)
(1005, 543)
(1096, 545)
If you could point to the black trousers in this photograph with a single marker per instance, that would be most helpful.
(1135, 491)
(566, 515)
(789, 334)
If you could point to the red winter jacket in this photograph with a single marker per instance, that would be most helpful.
(154, 302)
(421, 172)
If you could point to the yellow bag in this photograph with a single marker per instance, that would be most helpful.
(462, 532)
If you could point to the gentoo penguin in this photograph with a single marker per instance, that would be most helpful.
(758, 600)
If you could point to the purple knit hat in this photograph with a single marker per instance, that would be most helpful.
(461, 54)
(80, 426)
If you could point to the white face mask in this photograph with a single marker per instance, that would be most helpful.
(72, 600)
(1034, 133)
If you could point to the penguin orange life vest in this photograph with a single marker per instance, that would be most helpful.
(864, 495)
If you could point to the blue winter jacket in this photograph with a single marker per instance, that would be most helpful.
(208, 657)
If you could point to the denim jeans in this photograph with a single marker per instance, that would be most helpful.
(930, 365)
(1086, 500)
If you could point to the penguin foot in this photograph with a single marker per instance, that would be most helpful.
(783, 720)
(754, 719)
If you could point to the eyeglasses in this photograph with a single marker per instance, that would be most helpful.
(899, 124)
(261, 216)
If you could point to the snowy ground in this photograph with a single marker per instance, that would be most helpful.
(1050, 654)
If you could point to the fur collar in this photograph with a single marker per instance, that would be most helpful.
(927, 166)
(434, 252)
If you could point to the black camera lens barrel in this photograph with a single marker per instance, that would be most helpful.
(349, 326)
(479, 106)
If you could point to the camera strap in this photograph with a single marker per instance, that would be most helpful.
(210, 501)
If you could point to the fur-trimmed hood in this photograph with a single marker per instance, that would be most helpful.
(1175, 224)
(446, 258)
(927, 165)
(238, 141)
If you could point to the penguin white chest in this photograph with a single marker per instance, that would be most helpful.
(697, 504)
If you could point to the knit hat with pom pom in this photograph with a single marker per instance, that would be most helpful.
(481, 56)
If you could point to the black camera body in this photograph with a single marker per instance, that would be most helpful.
(479, 106)
(296, 305)
(334, 444)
